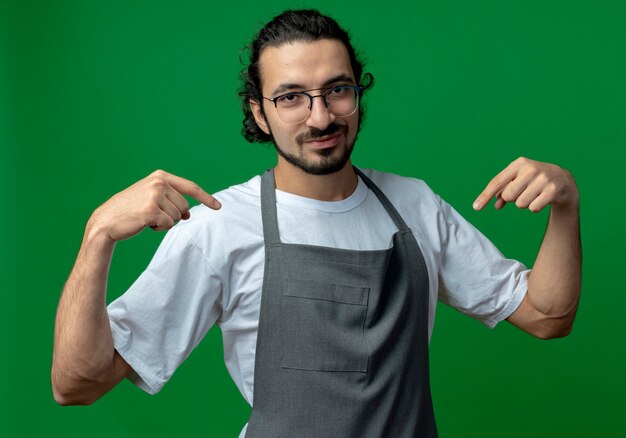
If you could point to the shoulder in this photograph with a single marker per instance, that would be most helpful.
(219, 233)
(402, 189)
(421, 208)
(238, 202)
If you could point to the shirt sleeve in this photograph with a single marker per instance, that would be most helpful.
(474, 277)
(166, 312)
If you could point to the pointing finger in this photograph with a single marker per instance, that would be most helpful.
(495, 186)
(192, 189)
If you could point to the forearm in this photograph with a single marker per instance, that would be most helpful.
(83, 346)
(555, 281)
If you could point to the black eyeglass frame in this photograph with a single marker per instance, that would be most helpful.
(357, 88)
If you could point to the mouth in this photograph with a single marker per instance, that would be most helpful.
(324, 142)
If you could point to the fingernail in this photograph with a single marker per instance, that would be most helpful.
(216, 203)
(476, 205)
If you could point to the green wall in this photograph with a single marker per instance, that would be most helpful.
(95, 95)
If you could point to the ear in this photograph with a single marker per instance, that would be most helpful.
(259, 118)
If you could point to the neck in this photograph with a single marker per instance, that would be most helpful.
(333, 187)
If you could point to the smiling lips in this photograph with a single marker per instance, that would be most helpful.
(326, 141)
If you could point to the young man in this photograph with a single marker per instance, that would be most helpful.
(322, 277)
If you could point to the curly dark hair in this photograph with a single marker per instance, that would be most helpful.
(290, 26)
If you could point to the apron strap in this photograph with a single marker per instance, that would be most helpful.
(270, 218)
(268, 208)
(391, 210)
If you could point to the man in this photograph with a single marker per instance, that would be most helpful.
(322, 277)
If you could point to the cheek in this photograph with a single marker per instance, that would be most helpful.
(354, 125)
(281, 133)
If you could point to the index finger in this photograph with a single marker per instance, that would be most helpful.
(495, 186)
(188, 187)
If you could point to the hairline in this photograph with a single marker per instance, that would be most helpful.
(299, 39)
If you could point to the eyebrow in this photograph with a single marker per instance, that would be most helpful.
(288, 86)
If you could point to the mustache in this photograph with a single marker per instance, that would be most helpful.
(314, 133)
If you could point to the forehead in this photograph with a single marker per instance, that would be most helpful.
(309, 64)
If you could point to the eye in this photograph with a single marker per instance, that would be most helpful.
(338, 92)
(289, 99)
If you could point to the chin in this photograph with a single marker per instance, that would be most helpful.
(326, 161)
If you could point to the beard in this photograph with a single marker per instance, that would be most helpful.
(328, 160)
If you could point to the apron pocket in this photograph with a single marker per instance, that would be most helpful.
(324, 326)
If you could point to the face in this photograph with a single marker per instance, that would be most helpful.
(322, 143)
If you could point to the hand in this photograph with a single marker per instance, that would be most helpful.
(530, 184)
(156, 201)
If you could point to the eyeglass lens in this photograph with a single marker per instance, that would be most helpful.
(296, 107)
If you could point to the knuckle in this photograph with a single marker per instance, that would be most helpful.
(533, 172)
(507, 197)
(156, 189)
(528, 174)
(169, 222)
(163, 223)
(153, 195)
(150, 210)
(158, 183)
(159, 173)
(542, 177)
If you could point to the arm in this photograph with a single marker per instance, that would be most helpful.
(549, 307)
(85, 364)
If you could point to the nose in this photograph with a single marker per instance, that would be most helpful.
(320, 117)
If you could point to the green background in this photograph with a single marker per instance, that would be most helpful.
(95, 95)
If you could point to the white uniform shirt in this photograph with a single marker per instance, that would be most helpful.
(209, 269)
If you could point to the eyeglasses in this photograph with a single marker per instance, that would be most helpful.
(295, 107)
